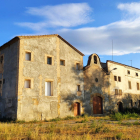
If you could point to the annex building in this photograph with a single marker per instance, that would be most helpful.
(42, 77)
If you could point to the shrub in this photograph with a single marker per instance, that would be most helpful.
(119, 136)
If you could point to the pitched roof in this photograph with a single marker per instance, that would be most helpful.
(38, 36)
(121, 64)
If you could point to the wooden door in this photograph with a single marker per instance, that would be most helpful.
(97, 105)
(76, 108)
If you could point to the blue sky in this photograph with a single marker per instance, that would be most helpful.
(90, 25)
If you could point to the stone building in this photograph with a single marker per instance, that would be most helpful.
(110, 86)
(42, 77)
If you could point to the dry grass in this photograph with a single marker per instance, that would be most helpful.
(87, 128)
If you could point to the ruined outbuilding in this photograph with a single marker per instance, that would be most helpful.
(42, 77)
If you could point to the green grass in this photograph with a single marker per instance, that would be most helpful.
(119, 116)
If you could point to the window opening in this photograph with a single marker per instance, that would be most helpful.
(116, 91)
(77, 66)
(62, 62)
(128, 72)
(27, 84)
(120, 92)
(78, 87)
(48, 88)
(137, 86)
(28, 56)
(129, 84)
(115, 78)
(1, 59)
(119, 78)
(49, 60)
(136, 74)
(95, 59)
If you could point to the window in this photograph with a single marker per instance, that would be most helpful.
(1, 59)
(139, 103)
(137, 86)
(48, 88)
(95, 59)
(49, 60)
(96, 79)
(120, 92)
(78, 88)
(131, 103)
(62, 62)
(27, 83)
(128, 72)
(119, 78)
(129, 84)
(28, 56)
(77, 66)
(0, 83)
(115, 78)
(136, 74)
(116, 91)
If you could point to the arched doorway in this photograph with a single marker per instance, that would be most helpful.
(120, 106)
(76, 108)
(97, 105)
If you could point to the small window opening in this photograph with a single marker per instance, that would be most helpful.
(95, 59)
(116, 91)
(78, 87)
(137, 86)
(115, 78)
(77, 66)
(136, 74)
(131, 103)
(0, 84)
(129, 84)
(27, 84)
(128, 72)
(1, 59)
(28, 56)
(62, 62)
(96, 79)
(49, 60)
(119, 78)
(120, 92)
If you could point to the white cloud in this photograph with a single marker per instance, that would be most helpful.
(124, 33)
(64, 15)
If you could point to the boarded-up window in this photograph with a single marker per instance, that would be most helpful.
(129, 84)
(116, 91)
(137, 86)
(136, 74)
(120, 92)
(78, 87)
(49, 60)
(62, 62)
(128, 72)
(28, 56)
(77, 66)
(95, 59)
(27, 84)
(115, 78)
(48, 88)
(119, 78)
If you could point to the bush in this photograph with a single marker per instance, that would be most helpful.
(119, 136)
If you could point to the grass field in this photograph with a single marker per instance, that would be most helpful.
(70, 128)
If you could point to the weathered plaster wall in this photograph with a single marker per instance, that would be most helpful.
(8, 99)
(32, 102)
(70, 78)
(93, 88)
(127, 94)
